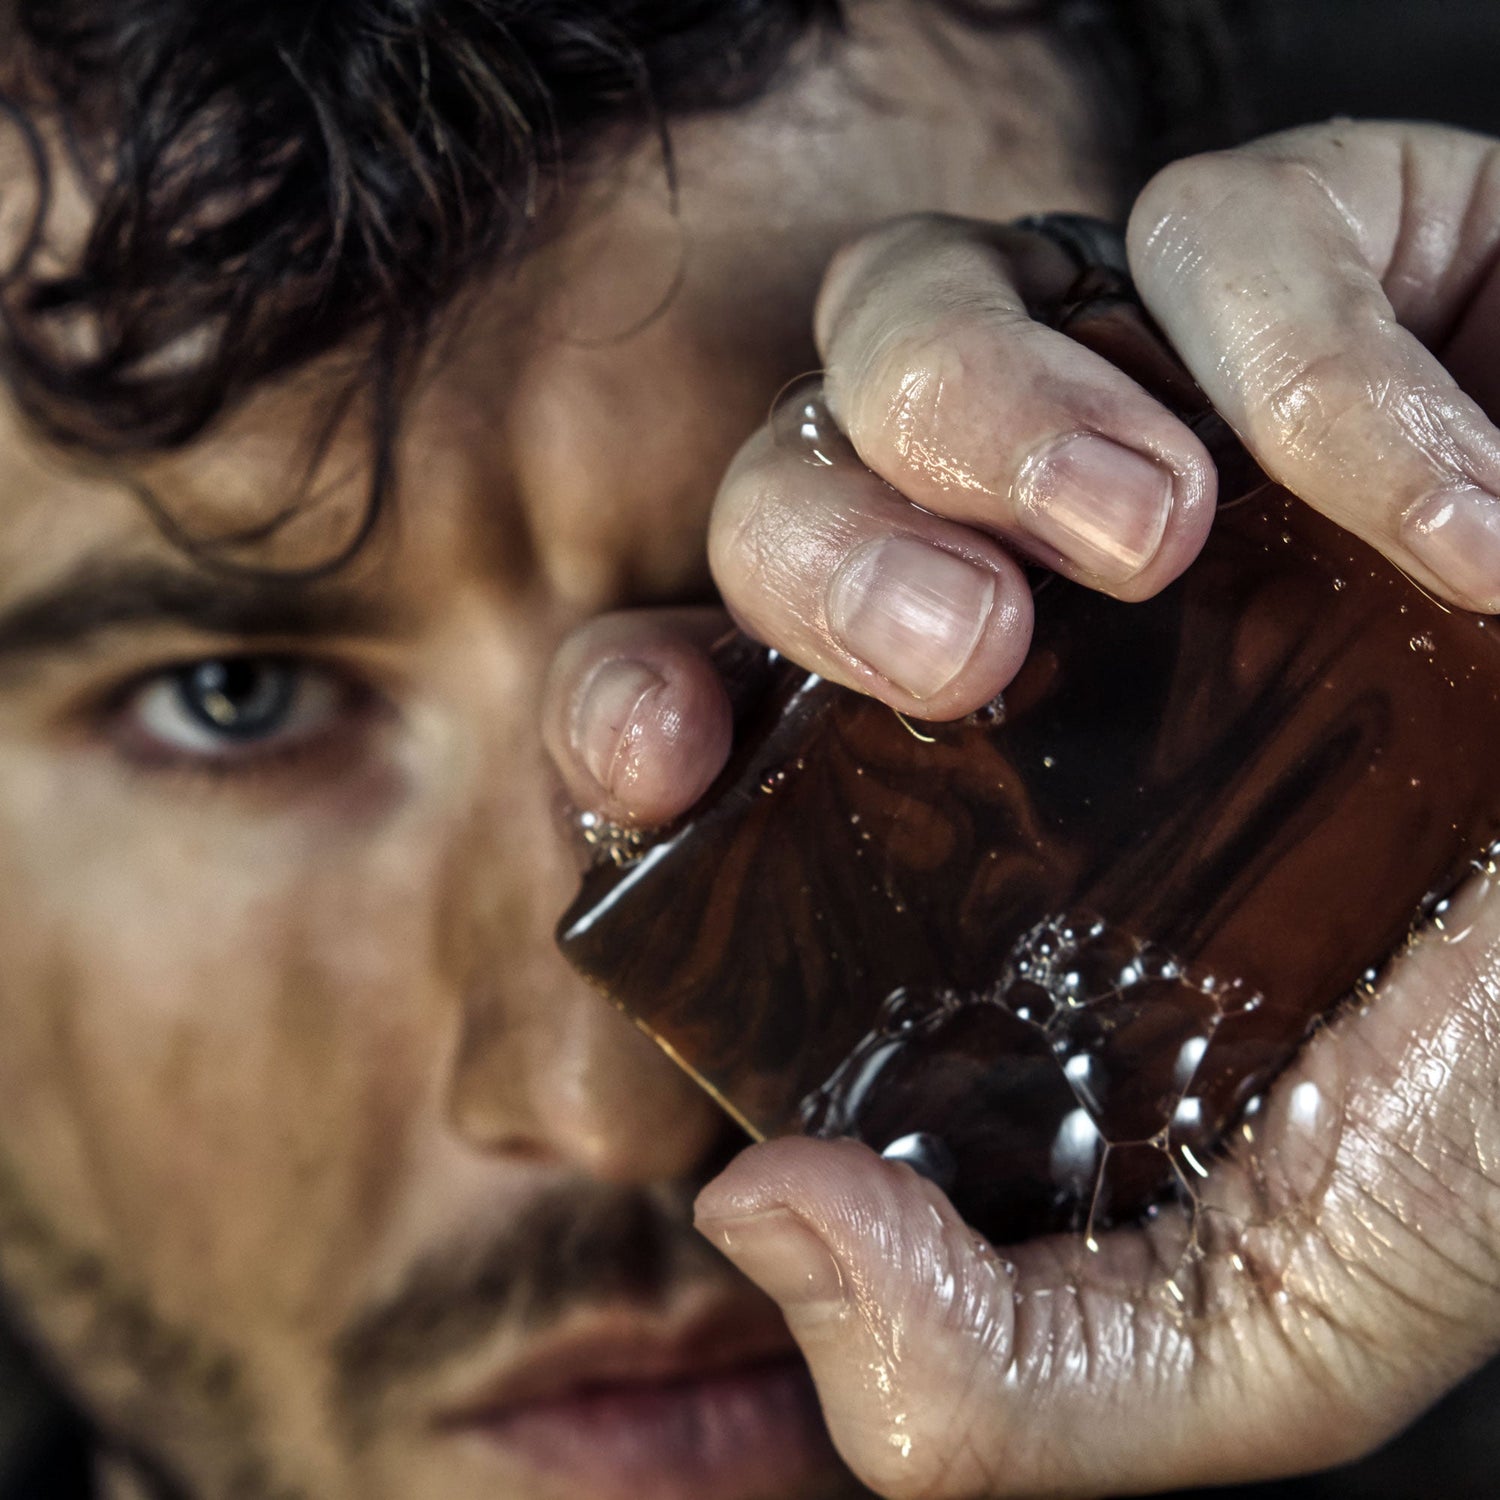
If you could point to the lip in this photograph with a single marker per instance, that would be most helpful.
(628, 1404)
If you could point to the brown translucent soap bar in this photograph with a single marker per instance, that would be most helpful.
(1050, 953)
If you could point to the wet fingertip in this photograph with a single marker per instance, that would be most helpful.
(1194, 493)
(934, 633)
(693, 727)
(912, 612)
(788, 1171)
(1455, 534)
(852, 1196)
(652, 739)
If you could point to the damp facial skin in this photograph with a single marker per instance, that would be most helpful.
(321, 1175)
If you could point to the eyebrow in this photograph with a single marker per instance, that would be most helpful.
(104, 595)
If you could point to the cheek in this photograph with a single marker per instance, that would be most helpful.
(218, 1033)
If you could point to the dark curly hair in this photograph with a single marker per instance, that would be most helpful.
(271, 180)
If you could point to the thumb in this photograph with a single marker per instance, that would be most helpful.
(1343, 1273)
(946, 1373)
(893, 1299)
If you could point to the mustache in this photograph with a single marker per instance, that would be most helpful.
(576, 1244)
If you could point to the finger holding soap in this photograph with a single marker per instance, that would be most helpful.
(636, 715)
(952, 392)
(1341, 1276)
(818, 557)
(946, 1370)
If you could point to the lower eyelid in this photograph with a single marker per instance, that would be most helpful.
(335, 754)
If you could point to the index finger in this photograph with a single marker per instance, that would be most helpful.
(958, 398)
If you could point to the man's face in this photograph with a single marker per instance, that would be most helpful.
(320, 1174)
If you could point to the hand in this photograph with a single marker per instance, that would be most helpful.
(1335, 292)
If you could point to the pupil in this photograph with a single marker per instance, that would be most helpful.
(238, 697)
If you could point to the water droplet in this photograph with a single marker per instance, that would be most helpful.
(779, 777)
(1192, 1161)
(1189, 1055)
(991, 715)
(905, 1011)
(802, 424)
(615, 843)
(1076, 1152)
(927, 1155)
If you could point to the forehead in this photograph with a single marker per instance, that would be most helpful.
(52, 510)
(588, 398)
(573, 400)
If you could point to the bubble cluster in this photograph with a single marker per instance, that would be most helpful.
(610, 843)
(1068, 1094)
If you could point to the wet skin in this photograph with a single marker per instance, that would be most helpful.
(323, 1176)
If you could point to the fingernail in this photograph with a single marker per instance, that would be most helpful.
(606, 719)
(1102, 506)
(912, 612)
(1456, 533)
(781, 1255)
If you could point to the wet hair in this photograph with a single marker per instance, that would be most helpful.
(271, 180)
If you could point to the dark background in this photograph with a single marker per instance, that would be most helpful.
(1408, 59)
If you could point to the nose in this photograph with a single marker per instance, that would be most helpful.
(569, 1081)
(543, 1068)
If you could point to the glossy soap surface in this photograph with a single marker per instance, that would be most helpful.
(1069, 939)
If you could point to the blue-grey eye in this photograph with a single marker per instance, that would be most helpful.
(223, 705)
(241, 697)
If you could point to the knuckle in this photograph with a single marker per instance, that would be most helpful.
(862, 265)
(1182, 195)
(1183, 182)
(910, 404)
(1294, 400)
(842, 277)
(891, 391)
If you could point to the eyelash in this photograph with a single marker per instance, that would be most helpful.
(341, 711)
